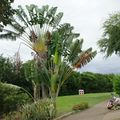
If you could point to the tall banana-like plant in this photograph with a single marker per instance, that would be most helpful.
(65, 55)
(34, 27)
(57, 49)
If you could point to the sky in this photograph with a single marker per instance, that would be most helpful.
(87, 17)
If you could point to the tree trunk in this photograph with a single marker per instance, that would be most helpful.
(43, 90)
(36, 92)
(58, 89)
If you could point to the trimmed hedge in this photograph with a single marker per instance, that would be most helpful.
(80, 106)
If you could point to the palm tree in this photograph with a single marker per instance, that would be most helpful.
(57, 49)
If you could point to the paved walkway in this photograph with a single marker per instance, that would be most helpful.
(98, 112)
(114, 115)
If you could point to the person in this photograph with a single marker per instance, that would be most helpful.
(114, 102)
(110, 104)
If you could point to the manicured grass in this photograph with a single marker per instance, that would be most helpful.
(65, 103)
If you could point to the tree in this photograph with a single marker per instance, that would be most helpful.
(57, 50)
(72, 85)
(90, 82)
(6, 69)
(116, 84)
(6, 12)
(110, 41)
(9, 74)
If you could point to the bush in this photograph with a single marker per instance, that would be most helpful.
(11, 97)
(80, 106)
(116, 84)
(40, 110)
(11, 116)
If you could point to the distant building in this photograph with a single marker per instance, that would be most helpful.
(81, 91)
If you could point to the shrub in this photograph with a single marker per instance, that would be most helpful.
(80, 106)
(11, 97)
(40, 110)
(11, 116)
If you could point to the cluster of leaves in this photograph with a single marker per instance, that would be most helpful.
(110, 41)
(6, 12)
(81, 106)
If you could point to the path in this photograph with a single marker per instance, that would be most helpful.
(114, 115)
(98, 112)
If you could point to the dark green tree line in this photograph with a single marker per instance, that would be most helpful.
(90, 82)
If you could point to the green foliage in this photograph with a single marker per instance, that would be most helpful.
(8, 74)
(71, 86)
(6, 67)
(6, 12)
(109, 43)
(90, 82)
(31, 72)
(81, 106)
(40, 110)
(116, 84)
(11, 98)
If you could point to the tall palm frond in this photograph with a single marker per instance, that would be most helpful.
(46, 18)
(84, 58)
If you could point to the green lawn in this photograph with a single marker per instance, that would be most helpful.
(65, 103)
